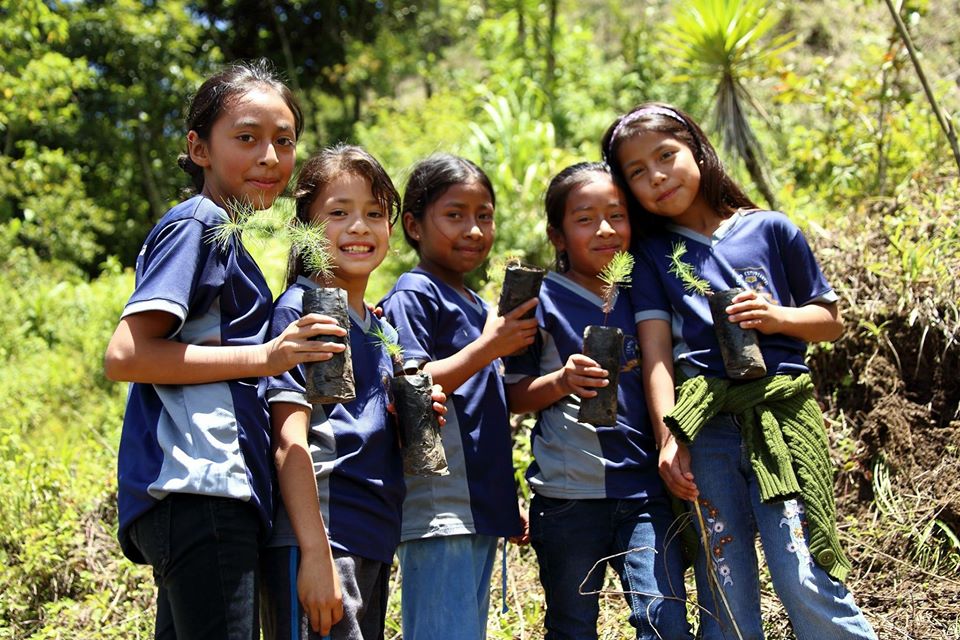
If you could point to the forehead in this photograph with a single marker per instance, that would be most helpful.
(344, 187)
(598, 189)
(466, 193)
(260, 104)
(645, 143)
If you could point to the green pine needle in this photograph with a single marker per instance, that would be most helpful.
(614, 275)
(685, 272)
(389, 344)
(312, 245)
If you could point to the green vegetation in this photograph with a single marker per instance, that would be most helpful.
(615, 275)
(90, 126)
(685, 272)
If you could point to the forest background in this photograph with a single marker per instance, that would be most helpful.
(820, 111)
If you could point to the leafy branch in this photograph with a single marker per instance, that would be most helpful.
(685, 272)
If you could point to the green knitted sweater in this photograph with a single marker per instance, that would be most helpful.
(783, 430)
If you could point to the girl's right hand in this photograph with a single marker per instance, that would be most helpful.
(509, 333)
(293, 347)
(675, 470)
(318, 587)
(582, 375)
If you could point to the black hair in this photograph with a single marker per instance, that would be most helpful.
(719, 190)
(430, 179)
(216, 94)
(555, 198)
(326, 166)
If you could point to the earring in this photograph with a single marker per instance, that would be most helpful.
(562, 262)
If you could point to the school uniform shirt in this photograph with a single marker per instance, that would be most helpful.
(434, 321)
(759, 250)
(571, 459)
(354, 445)
(209, 439)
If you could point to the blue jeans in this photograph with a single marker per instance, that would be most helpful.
(446, 586)
(571, 536)
(204, 556)
(818, 606)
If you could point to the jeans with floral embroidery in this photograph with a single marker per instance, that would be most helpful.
(818, 606)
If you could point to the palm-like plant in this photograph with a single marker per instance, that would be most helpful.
(727, 40)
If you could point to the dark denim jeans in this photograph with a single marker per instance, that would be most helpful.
(571, 536)
(204, 556)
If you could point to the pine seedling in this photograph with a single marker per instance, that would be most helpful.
(684, 271)
(614, 275)
(311, 243)
(389, 344)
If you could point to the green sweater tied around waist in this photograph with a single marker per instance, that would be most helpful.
(782, 428)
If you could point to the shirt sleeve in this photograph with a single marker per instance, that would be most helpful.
(169, 269)
(289, 386)
(806, 280)
(649, 300)
(416, 318)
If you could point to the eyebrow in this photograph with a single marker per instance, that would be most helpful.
(254, 123)
(350, 200)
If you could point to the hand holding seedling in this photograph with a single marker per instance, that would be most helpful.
(582, 375)
(293, 346)
(674, 467)
(506, 334)
(752, 310)
(318, 588)
(439, 403)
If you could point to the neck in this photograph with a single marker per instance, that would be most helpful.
(593, 284)
(355, 288)
(447, 276)
(700, 217)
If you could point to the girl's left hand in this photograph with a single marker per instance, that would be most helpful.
(524, 537)
(439, 403)
(752, 310)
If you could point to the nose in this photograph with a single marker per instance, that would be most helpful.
(657, 176)
(605, 229)
(270, 156)
(358, 226)
(473, 229)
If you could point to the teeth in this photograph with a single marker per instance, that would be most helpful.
(355, 249)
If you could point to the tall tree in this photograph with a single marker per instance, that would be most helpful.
(727, 41)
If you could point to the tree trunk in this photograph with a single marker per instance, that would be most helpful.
(550, 53)
(147, 179)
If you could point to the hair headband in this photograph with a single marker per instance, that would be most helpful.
(630, 118)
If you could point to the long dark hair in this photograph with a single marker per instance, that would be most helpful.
(431, 177)
(325, 167)
(216, 94)
(719, 190)
(555, 198)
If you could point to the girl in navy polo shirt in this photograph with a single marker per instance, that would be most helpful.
(753, 453)
(194, 487)
(451, 523)
(596, 490)
(327, 566)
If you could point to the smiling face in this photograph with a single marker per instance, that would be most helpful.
(456, 231)
(595, 227)
(250, 152)
(662, 174)
(358, 229)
